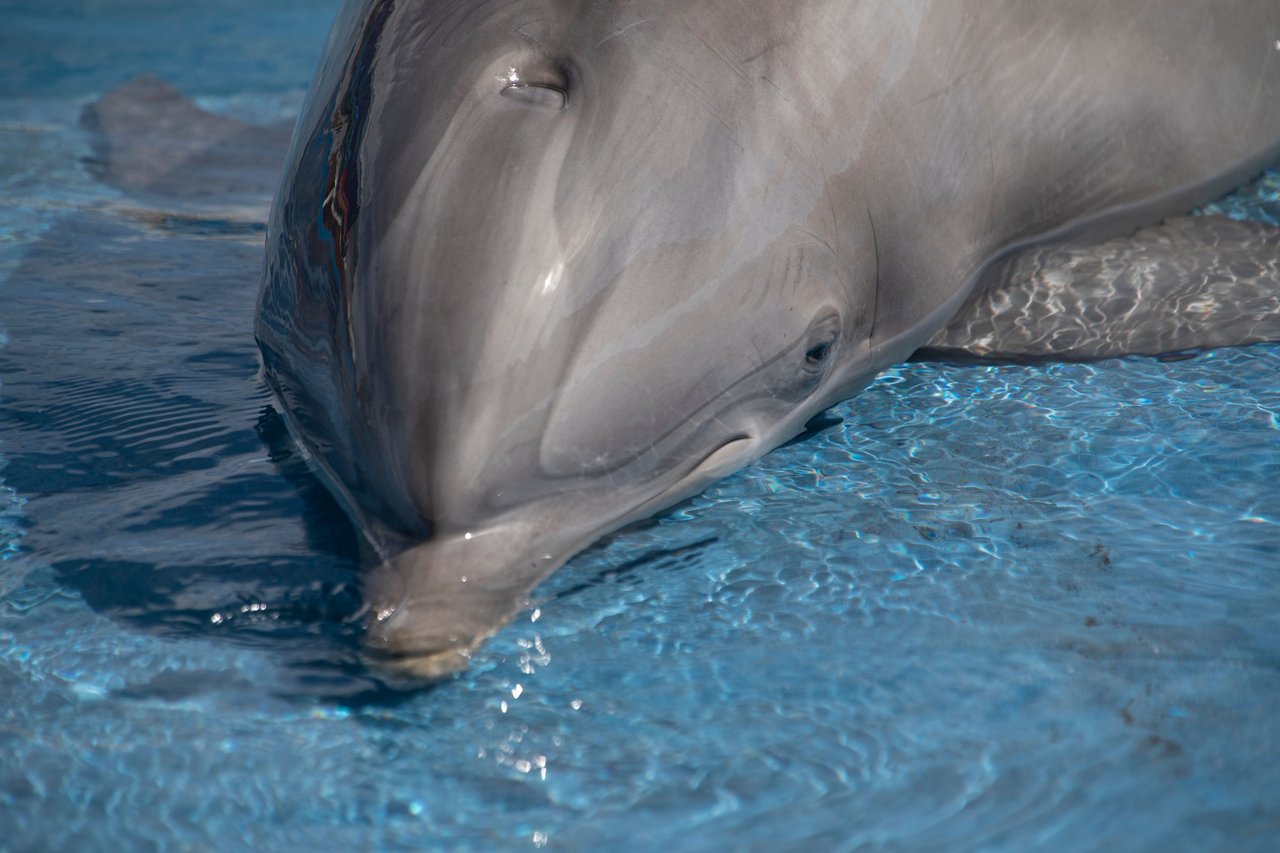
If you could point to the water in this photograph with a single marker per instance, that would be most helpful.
(993, 606)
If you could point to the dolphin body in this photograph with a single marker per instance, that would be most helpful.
(538, 268)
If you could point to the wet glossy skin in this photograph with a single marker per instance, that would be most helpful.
(538, 268)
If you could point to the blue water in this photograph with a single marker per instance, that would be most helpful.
(993, 606)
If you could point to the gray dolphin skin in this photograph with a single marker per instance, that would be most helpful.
(539, 268)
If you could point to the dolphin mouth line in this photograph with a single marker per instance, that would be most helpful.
(721, 453)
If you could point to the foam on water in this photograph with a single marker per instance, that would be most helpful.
(991, 606)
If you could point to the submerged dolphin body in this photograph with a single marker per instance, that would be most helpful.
(541, 267)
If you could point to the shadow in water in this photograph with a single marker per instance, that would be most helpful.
(160, 485)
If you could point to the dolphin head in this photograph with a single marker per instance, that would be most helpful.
(541, 268)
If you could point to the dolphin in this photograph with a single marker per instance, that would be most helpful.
(540, 268)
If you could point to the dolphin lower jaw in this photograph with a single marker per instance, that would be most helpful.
(431, 605)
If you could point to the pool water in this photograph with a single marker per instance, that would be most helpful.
(984, 607)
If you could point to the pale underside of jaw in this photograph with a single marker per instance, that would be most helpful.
(424, 667)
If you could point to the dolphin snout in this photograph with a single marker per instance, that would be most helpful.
(431, 605)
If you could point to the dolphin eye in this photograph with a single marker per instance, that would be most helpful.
(822, 335)
(817, 353)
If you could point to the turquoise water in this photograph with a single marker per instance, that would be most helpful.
(990, 607)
